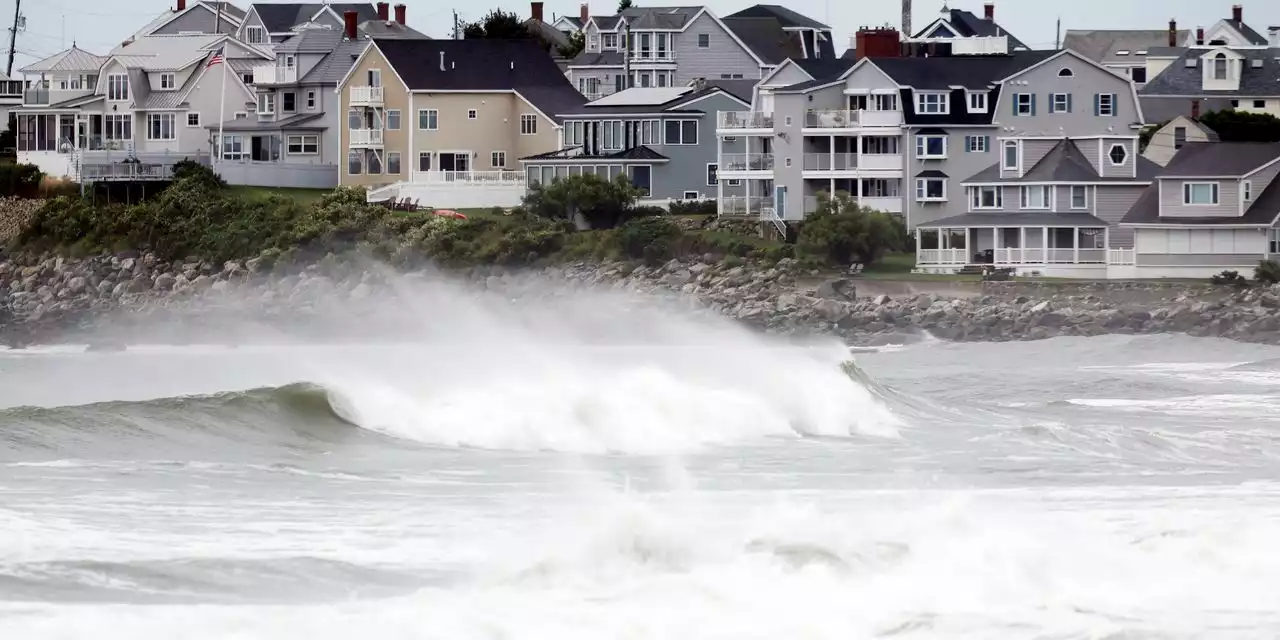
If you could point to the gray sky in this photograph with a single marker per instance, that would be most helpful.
(97, 25)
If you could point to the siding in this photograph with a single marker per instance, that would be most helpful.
(1160, 149)
(1086, 82)
(250, 20)
(789, 75)
(1111, 203)
(790, 147)
(870, 77)
(1171, 200)
(1033, 151)
(828, 98)
(688, 167)
(496, 128)
(1125, 169)
(959, 166)
(204, 99)
(199, 19)
(723, 56)
(395, 96)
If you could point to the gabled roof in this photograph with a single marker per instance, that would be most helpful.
(641, 18)
(548, 33)
(740, 89)
(281, 17)
(1180, 80)
(232, 14)
(770, 39)
(967, 25)
(1247, 32)
(1105, 45)
(575, 153)
(787, 17)
(1065, 163)
(941, 73)
(1221, 159)
(334, 66)
(73, 59)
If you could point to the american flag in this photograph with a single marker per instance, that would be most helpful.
(216, 59)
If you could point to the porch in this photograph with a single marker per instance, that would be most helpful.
(1048, 244)
(290, 152)
(455, 189)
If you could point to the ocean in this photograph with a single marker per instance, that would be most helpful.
(594, 470)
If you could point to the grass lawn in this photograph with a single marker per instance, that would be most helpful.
(898, 266)
(305, 196)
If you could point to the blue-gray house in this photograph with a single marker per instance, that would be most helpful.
(663, 138)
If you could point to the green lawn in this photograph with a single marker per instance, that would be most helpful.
(305, 196)
(898, 266)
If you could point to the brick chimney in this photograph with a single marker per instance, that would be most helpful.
(1237, 12)
(400, 13)
(1173, 32)
(584, 13)
(1199, 36)
(535, 11)
(1195, 109)
(383, 14)
(989, 11)
(181, 6)
(349, 24)
(878, 43)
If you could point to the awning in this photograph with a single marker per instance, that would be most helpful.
(1018, 219)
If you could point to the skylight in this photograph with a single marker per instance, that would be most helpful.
(1122, 52)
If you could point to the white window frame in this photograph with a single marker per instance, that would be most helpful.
(432, 117)
(1188, 194)
(977, 101)
(498, 159)
(976, 144)
(1085, 200)
(528, 124)
(1068, 73)
(284, 107)
(311, 100)
(710, 182)
(605, 40)
(1246, 190)
(1004, 155)
(1044, 191)
(358, 155)
(251, 32)
(695, 195)
(1106, 105)
(922, 190)
(399, 122)
(472, 114)
(162, 118)
(118, 87)
(1025, 103)
(1059, 107)
(1122, 162)
(266, 104)
(234, 140)
(168, 81)
(939, 107)
(195, 124)
(1221, 63)
(922, 147)
(980, 196)
(115, 124)
(302, 142)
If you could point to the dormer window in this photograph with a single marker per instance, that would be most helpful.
(1067, 73)
(1220, 67)
(977, 102)
(610, 40)
(933, 102)
(167, 81)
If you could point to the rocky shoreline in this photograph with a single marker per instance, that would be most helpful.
(126, 297)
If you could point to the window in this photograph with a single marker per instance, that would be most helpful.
(428, 119)
(472, 114)
(373, 164)
(255, 35)
(1035, 197)
(288, 102)
(651, 132)
(704, 41)
(681, 132)
(424, 161)
(1259, 104)
(304, 145)
(931, 146)
(393, 162)
(1179, 137)
(611, 135)
(1024, 104)
(167, 81)
(986, 197)
(354, 163)
(976, 144)
(1059, 103)
(528, 124)
(1079, 197)
(289, 61)
(1118, 154)
(931, 189)
(246, 78)
(393, 119)
(713, 174)
(787, 121)
(193, 119)
(1138, 75)
(118, 126)
(266, 103)
(1275, 242)
(354, 121)
(1246, 190)
(233, 148)
(1104, 104)
(162, 126)
(117, 88)
(311, 101)
(884, 102)
(1010, 160)
(1220, 66)
(932, 102)
(240, 115)
(1067, 73)
(498, 159)
(691, 195)
(1200, 193)
(977, 102)
(610, 40)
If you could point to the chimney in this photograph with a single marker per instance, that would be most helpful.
(1195, 109)
(400, 13)
(1237, 12)
(1173, 32)
(383, 14)
(906, 18)
(877, 43)
(1199, 36)
(181, 6)
(1273, 34)
(989, 11)
(349, 24)
(584, 13)
(535, 11)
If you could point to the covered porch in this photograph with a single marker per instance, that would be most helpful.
(290, 152)
(1050, 244)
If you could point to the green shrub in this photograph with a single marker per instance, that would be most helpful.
(1229, 277)
(652, 238)
(603, 204)
(192, 170)
(22, 180)
(841, 232)
(1267, 272)
(693, 208)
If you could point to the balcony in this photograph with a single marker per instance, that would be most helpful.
(851, 119)
(273, 74)
(366, 137)
(880, 162)
(745, 206)
(653, 56)
(366, 96)
(888, 204)
(43, 97)
(734, 120)
(35, 98)
(830, 161)
(477, 178)
(731, 162)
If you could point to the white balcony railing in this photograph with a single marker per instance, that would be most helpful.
(880, 162)
(745, 120)
(366, 137)
(1037, 255)
(478, 178)
(846, 118)
(830, 161)
(890, 204)
(746, 162)
(366, 95)
(744, 205)
(1121, 256)
(652, 55)
(942, 256)
(272, 74)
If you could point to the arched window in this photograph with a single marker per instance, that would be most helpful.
(1220, 66)
(1066, 73)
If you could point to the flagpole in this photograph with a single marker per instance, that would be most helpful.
(222, 92)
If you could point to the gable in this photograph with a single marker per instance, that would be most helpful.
(251, 20)
(787, 73)
(868, 76)
(941, 30)
(713, 103)
(198, 18)
(707, 22)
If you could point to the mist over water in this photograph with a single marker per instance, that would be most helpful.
(537, 462)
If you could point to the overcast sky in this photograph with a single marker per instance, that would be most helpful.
(97, 25)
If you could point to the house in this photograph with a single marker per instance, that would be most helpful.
(291, 138)
(1216, 206)
(660, 138)
(672, 46)
(958, 24)
(1124, 50)
(10, 95)
(445, 121)
(267, 24)
(1233, 32)
(1174, 135)
(569, 25)
(197, 16)
(147, 99)
(1213, 77)
(901, 134)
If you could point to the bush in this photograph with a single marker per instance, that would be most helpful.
(22, 180)
(841, 232)
(693, 208)
(192, 170)
(1229, 277)
(652, 239)
(603, 204)
(1267, 272)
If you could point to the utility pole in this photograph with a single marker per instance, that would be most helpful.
(1057, 35)
(13, 35)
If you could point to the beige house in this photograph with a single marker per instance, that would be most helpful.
(446, 121)
(1174, 135)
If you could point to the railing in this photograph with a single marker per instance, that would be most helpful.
(366, 95)
(480, 178)
(888, 204)
(1037, 255)
(942, 256)
(653, 55)
(35, 97)
(744, 120)
(769, 214)
(746, 162)
(366, 137)
(743, 205)
(594, 95)
(1121, 256)
(273, 74)
(125, 171)
(846, 118)
(830, 161)
(881, 161)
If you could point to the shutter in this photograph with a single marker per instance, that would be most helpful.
(986, 143)
(1033, 104)
(1097, 104)
(1068, 103)
(1114, 105)
(1016, 97)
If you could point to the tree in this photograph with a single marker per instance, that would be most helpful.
(497, 24)
(600, 203)
(842, 232)
(1243, 126)
(623, 5)
(1148, 132)
(577, 42)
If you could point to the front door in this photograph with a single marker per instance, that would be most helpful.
(780, 202)
(452, 163)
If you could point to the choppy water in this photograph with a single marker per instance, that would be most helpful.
(722, 487)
